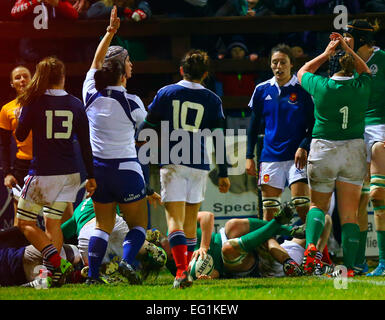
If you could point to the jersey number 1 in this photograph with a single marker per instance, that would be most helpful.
(345, 116)
(65, 124)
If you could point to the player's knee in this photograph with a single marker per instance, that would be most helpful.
(232, 254)
(234, 228)
(378, 148)
(228, 250)
(377, 187)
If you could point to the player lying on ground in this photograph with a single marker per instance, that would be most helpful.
(20, 262)
(234, 247)
(83, 223)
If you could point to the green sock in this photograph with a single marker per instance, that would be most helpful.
(253, 239)
(255, 224)
(315, 221)
(381, 244)
(361, 256)
(350, 243)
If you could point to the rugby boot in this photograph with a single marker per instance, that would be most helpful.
(284, 215)
(183, 281)
(309, 259)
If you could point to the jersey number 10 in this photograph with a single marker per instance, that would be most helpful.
(65, 123)
(182, 112)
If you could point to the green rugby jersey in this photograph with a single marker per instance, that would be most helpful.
(215, 249)
(375, 114)
(83, 213)
(339, 105)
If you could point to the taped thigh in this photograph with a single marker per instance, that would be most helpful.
(271, 202)
(242, 253)
(300, 201)
(55, 211)
(377, 181)
(27, 210)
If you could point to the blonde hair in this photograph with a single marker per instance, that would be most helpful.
(347, 64)
(49, 72)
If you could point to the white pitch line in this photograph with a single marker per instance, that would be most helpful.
(377, 283)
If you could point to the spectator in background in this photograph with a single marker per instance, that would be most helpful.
(63, 9)
(257, 8)
(127, 9)
(187, 8)
(315, 42)
(237, 83)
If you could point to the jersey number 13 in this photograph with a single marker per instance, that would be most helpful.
(67, 124)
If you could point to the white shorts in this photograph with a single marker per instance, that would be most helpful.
(45, 190)
(115, 241)
(330, 161)
(182, 183)
(373, 134)
(280, 174)
(269, 267)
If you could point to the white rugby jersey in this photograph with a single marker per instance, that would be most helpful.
(113, 115)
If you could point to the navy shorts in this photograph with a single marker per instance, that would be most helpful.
(118, 180)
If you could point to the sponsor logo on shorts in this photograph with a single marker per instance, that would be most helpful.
(266, 178)
(132, 197)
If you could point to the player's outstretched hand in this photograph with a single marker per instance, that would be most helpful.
(155, 199)
(223, 185)
(90, 187)
(114, 21)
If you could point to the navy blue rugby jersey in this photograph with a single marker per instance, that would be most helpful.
(288, 115)
(186, 106)
(55, 118)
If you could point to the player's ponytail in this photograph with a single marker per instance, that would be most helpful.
(347, 64)
(195, 64)
(49, 72)
(109, 74)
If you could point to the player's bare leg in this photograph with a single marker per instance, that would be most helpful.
(271, 201)
(300, 197)
(377, 196)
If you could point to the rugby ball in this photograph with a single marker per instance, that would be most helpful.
(201, 266)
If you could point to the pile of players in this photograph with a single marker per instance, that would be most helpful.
(313, 143)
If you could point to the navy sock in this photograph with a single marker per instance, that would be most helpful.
(191, 243)
(132, 243)
(96, 250)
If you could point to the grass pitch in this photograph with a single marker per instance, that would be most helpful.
(302, 288)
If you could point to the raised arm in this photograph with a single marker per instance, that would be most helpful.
(313, 65)
(359, 64)
(106, 41)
